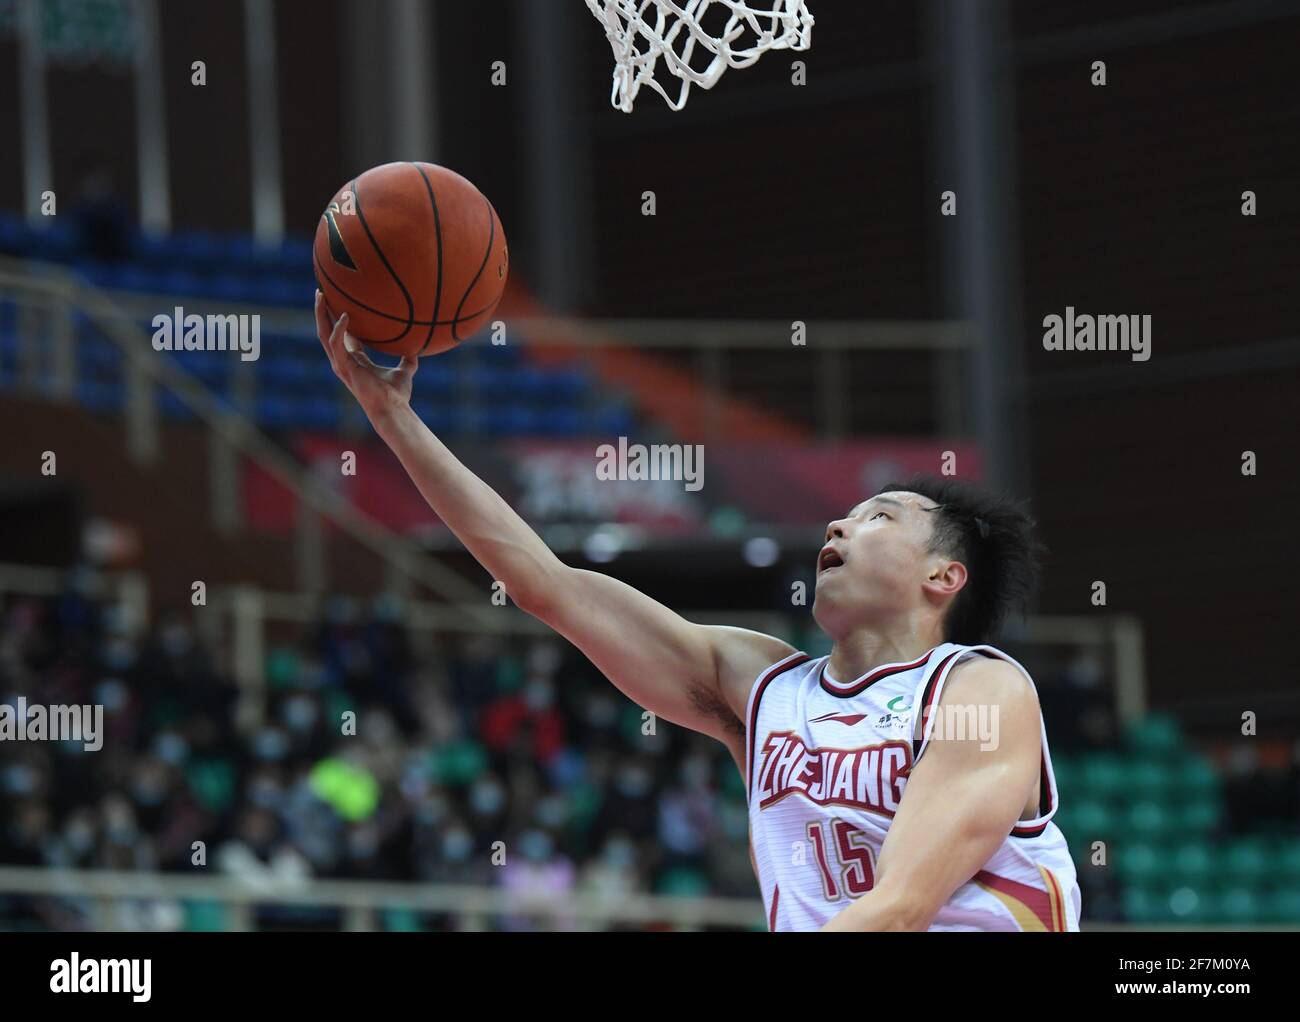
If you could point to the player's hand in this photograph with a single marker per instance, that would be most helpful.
(379, 391)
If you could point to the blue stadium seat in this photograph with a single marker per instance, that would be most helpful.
(561, 422)
(237, 251)
(613, 421)
(97, 273)
(569, 384)
(438, 418)
(435, 377)
(287, 373)
(503, 356)
(227, 287)
(98, 396)
(196, 250)
(172, 407)
(13, 234)
(318, 413)
(529, 383)
(295, 255)
(275, 412)
(131, 277)
(55, 242)
(276, 289)
(463, 421)
(98, 356)
(177, 282)
(513, 420)
(486, 381)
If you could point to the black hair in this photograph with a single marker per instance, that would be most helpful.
(994, 537)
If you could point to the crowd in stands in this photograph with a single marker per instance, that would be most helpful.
(507, 762)
(493, 761)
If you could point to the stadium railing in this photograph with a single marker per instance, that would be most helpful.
(362, 903)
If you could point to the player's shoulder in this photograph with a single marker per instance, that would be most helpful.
(742, 655)
(986, 674)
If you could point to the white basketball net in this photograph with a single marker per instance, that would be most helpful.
(642, 31)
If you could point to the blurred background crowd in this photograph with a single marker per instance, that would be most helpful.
(506, 761)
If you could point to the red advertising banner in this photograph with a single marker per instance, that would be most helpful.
(663, 488)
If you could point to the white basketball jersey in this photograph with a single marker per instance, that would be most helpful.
(827, 765)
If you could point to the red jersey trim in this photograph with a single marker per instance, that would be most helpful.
(793, 660)
(846, 691)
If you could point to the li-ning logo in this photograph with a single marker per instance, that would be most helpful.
(848, 719)
(870, 778)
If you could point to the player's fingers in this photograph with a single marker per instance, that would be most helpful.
(409, 364)
(356, 353)
(324, 325)
(325, 329)
(337, 346)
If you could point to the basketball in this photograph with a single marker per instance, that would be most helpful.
(414, 254)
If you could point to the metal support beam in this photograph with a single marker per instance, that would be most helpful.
(264, 122)
(558, 151)
(151, 122)
(37, 175)
(976, 119)
(411, 80)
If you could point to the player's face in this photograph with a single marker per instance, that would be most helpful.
(874, 561)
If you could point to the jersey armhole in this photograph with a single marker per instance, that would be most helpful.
(765, 678)
(930, 691)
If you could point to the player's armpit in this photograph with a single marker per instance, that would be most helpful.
(961, 801)
(694, 675)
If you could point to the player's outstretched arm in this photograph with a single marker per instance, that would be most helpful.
(961, 801)
(697, 676)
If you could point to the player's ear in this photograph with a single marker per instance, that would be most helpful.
(944, 579)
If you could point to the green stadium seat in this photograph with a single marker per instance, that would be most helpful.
(1151, 780)
(683, 882)
(1246, 862)
(1238, 905)
(1156, 735)
(1140, 863)
(1148, 903)
(1148, 819)
(1196, 777)
(1189, 904)
(1192, 863)
(1067, 776)
(1283, 906)
(1091, 820)
(1103, 776)
(205, 917)
(212, 782)
(401, 920)
(458, 763)
(584, 802)
(282, 668)
(1287, 862)
(1197, 816)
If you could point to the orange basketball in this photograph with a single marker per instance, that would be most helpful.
(414, 254)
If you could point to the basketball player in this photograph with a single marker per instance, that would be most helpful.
(901, 783)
